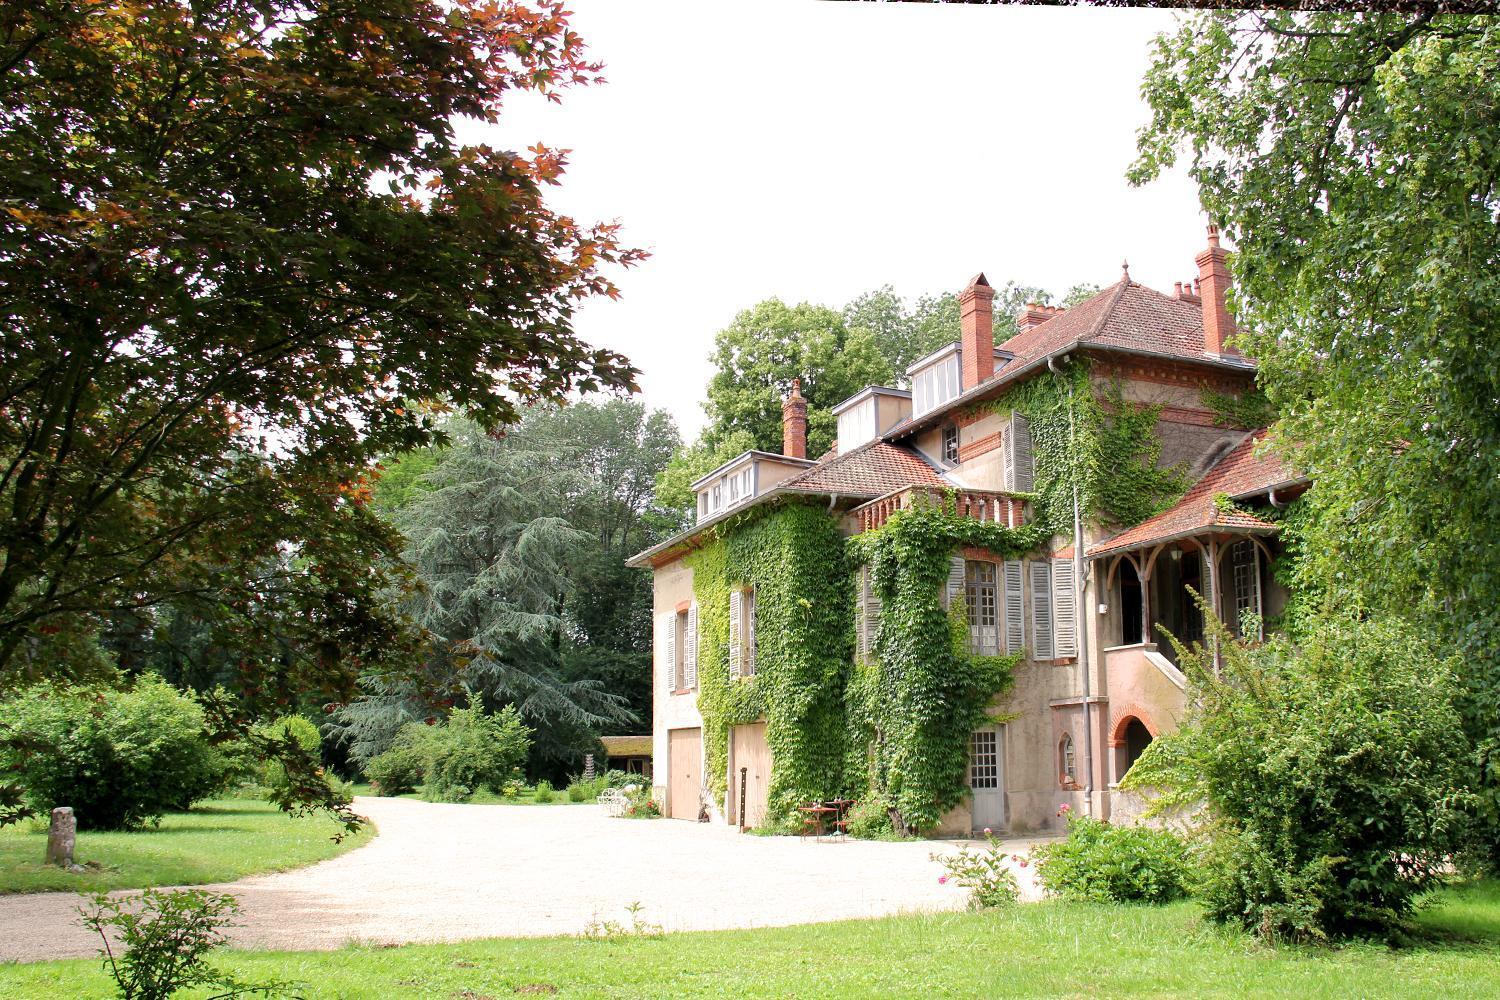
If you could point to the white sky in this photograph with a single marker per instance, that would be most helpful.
(813, 151)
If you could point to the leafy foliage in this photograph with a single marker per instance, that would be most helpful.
(1351, 157)
(768, 345)
(118, 757)
(493, 547)
(301, 741)
(792, 554)
(1103, 863)
(471, 750)
(396, 771)
(1334, 769)
(919, 698)
(1107, 445)
(238, 239)
(165, 936)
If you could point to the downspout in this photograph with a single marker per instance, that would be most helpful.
(1080, 586)
(1278, 504)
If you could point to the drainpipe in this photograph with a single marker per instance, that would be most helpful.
(1278, 504)
(1080, 586)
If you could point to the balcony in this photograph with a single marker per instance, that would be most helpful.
(981, 505)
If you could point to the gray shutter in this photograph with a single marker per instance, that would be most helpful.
(690, 649)
(1041, 612)
(954, 590)
(1014, 617)
(1019, 451)
(1008, 462)
(861, 599)
(1065, 604)
(672, 680)
(664, 649)
(736, 650)
(872, 612)
(1208, 586)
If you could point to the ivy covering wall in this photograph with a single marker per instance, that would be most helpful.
(793, 555)
(914, 703)
(1108, 444)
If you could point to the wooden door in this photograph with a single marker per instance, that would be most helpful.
(684, 772)
(750, 761)
(987, 778)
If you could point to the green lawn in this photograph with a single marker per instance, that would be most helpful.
(1042, 950)
(218, 841)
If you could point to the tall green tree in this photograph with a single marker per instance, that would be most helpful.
(1353, 159)
(493, 548)
(768, 345)
(236, 238)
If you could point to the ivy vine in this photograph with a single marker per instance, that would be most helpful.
(792, 554)
(1105, 443)
(914, 703)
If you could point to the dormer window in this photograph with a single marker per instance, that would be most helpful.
(950, 444)
(934, 380)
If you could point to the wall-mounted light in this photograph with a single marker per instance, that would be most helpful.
(1104, 609)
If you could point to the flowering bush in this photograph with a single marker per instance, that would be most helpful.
(983, 872)
(1102, 863)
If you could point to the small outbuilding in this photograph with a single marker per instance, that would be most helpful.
(631, 754)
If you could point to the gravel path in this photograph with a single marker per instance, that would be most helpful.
(450, 872)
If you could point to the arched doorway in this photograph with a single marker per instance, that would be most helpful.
(1137, 739)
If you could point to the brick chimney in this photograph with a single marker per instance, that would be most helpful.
(794, 423)
(1034, 314)
(1213, 285)
(976, 306)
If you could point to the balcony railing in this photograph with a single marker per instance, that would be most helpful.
(981, 505)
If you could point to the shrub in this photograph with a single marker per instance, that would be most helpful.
(1335, 773)
(164, 937)
(641, 804)
(983, 872)
(470, 751)
(544, 792)
(615, 778)
(395, 772)
(871, 820)
(512, 789)
(1102, 863)
(118, 757)
(578, 792)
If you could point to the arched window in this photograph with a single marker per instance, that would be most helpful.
(1067, 763)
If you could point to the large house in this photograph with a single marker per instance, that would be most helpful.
(1093, 685)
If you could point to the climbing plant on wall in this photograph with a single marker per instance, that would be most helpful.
(1105, 442)
(793, 555)
(914, 703)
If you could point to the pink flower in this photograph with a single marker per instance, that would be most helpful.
(942, 880)
(1023, 862)
(986, 831)
(1064, 809)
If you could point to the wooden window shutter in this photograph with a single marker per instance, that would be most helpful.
(861, 597)
(736, 648)
(954, 590)
(1041, 612)
(1207, 580)
(1014, 615)
(672, 662)
(690, 649)
(664, 648)
(1018, 451)
(871, 612)
(1065, 605)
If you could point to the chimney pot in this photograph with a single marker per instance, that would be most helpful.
(976, 306)
(794, 423)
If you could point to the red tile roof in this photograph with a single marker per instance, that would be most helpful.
(1125, 314)
(871, 470)
(1239, 473)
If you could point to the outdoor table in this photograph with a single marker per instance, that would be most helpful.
(813, 816)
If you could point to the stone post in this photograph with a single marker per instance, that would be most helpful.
(61, 837)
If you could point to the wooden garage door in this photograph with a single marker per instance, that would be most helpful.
(750, 760)
(685, 772)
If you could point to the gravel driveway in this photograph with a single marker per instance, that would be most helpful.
(449, 872)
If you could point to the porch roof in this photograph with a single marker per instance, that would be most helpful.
(1240, 473)
(626, 746)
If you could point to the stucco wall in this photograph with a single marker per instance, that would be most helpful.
(672, 585)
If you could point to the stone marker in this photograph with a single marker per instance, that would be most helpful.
(61, 837)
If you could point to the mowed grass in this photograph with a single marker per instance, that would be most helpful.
(1049, 949)
(218, 841)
